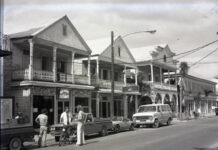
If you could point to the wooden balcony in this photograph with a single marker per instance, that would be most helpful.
(163, 86)
(48, 76)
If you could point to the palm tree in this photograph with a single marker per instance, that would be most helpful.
(183, 71)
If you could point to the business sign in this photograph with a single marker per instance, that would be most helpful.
(131, 89)
(64, 94)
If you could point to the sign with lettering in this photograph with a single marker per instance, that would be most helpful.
(131, 89)
(64, 94)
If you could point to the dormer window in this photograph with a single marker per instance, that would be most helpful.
(64, 30)
(119, 51)
(165, 58)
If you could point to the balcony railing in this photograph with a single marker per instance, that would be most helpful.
(81, 79)
(164, 86)
(49, 76)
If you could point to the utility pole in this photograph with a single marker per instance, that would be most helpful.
(112, 74)
(1, 47)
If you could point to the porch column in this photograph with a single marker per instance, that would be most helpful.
(54, 64)
(136, 76)
(97, 70)
(136, 103)
(72, 66)
(152, 73)
(125, 97)
(89, 76)
(161, 76)
(97, 105)
(169, 78)
(124, 77)
(31, 60)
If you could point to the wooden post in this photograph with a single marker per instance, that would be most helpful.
(31, 60)
(72, 66)
(54, 64)
(89, 75)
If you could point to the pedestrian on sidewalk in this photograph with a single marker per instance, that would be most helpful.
(66, 119)
(42, 120)
(80, 126)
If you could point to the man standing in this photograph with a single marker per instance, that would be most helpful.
(80, 126)
(42, 120)
(66, 118)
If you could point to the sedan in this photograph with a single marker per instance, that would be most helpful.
(122, 124)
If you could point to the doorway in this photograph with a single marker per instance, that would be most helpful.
(40, 102)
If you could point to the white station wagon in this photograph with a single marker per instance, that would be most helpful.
(153, 114)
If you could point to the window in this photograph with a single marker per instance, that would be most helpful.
(105, 75)
(119, 52)
(61, 67)
(64, 29)
(116, 76)
(165, 58)
(44, 63)
(26, 52)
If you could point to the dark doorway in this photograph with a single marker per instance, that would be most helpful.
(145, 100)
(40, 102)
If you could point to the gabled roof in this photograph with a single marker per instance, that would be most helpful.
(34, 32)
(145, 53)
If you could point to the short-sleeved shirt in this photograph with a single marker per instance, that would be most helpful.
(81, 116)
(43, 119)
(66, 118)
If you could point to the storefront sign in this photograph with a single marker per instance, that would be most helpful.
(26, 92)
(131, 89)
(64, 94)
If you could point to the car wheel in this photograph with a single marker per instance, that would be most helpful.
(103, 131)
(62, 140)
(131, 128)
(15, 143)
(156, 124)
(57, 138)
(169, 121)
(117, 129)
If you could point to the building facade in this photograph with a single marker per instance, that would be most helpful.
(199, 95)
(40, 73)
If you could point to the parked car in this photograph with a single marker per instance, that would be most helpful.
(216, 111)
(153, 115)
(92, 126)
(122, 124)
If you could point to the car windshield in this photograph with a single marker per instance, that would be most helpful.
(147, 109)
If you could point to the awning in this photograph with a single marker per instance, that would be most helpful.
(4, 53)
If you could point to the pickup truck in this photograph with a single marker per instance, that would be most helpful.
(92, 126)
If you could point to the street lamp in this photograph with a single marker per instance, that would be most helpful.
(112, 63)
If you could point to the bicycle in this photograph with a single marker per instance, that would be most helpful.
(67, 136)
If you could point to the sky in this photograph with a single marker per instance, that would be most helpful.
(182, 24)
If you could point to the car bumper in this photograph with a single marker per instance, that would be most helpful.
(144, 122)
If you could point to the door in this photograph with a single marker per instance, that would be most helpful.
(61, 108)
(41, 102)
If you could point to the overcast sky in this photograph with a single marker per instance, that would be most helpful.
(184, 25)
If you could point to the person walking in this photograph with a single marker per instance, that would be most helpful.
(80, 126)
(42, 120)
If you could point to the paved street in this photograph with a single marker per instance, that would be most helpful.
(199, 134)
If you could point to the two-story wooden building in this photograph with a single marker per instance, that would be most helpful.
(126, 91)
(40, 73)
(155, 66)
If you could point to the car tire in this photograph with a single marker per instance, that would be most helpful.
(15, 143)
(57, 138)
(169, 121)
(131, 128)
(117, 129)
(156, 124)
(104, 131)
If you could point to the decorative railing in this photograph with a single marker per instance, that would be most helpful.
(20, 74)
(62, 77)
(80, 79)
(159, 85)
(43, 75)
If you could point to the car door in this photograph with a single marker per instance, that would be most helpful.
(89, 125)
(161, 114)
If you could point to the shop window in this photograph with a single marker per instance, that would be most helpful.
(26, 52)
(84, 102)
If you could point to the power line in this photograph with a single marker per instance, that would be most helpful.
(204, 57)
